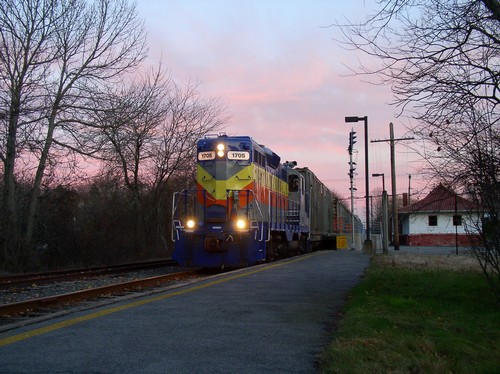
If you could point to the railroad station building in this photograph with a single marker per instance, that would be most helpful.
(442, 218)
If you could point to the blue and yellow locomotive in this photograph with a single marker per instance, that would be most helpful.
(248, 207)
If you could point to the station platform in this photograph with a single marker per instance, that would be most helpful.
(270, 318)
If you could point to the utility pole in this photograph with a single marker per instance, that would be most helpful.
(395, 222)
(395, 225)
(409, 189)
(385, 236)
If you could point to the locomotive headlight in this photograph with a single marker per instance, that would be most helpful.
(190, 223)
(220, 149)
(241, 224)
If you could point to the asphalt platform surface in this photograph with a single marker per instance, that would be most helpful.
(271, 318)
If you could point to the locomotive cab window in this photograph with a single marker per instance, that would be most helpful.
(258, 158)
(293, 183)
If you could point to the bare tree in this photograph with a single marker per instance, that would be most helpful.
(442, 61)
(27, 34)
(149, 130)
(189, 118)
(433, 54)
(174, 152)
(54, 56)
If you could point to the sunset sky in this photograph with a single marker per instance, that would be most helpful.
(277, 67)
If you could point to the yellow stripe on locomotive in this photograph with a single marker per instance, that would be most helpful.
(251, 177)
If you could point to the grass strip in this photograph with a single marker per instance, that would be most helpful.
(417, 321)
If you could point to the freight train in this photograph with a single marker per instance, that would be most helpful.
(248, 207)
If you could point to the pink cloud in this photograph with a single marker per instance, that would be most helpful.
(282, 77)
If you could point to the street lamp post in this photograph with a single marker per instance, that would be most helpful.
(368, 243)
(385, 223)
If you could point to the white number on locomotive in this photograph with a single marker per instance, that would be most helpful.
(238, 155)
(204, 156)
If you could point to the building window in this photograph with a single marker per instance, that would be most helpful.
(433, 220)
(457, 220)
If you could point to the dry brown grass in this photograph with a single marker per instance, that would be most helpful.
(461, 262)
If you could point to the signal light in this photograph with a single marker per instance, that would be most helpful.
(352, 141)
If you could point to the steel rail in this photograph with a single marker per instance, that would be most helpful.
(82, 295)
(52, 276)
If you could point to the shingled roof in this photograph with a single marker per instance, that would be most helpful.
(438, 200)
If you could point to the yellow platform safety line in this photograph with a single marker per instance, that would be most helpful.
(73, 321)
(217, 188)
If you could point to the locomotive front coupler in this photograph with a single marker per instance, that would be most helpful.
(215, 244)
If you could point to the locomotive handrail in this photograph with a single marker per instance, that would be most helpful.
(262, 220)
(285, 216)
(192, 193)
(175, 228)
(244, 179)
(176, 223)
(257, 205)
(270, 216)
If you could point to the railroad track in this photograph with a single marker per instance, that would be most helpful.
(30, 306)
(65, 275)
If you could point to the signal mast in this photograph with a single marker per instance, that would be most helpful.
(352, 167)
